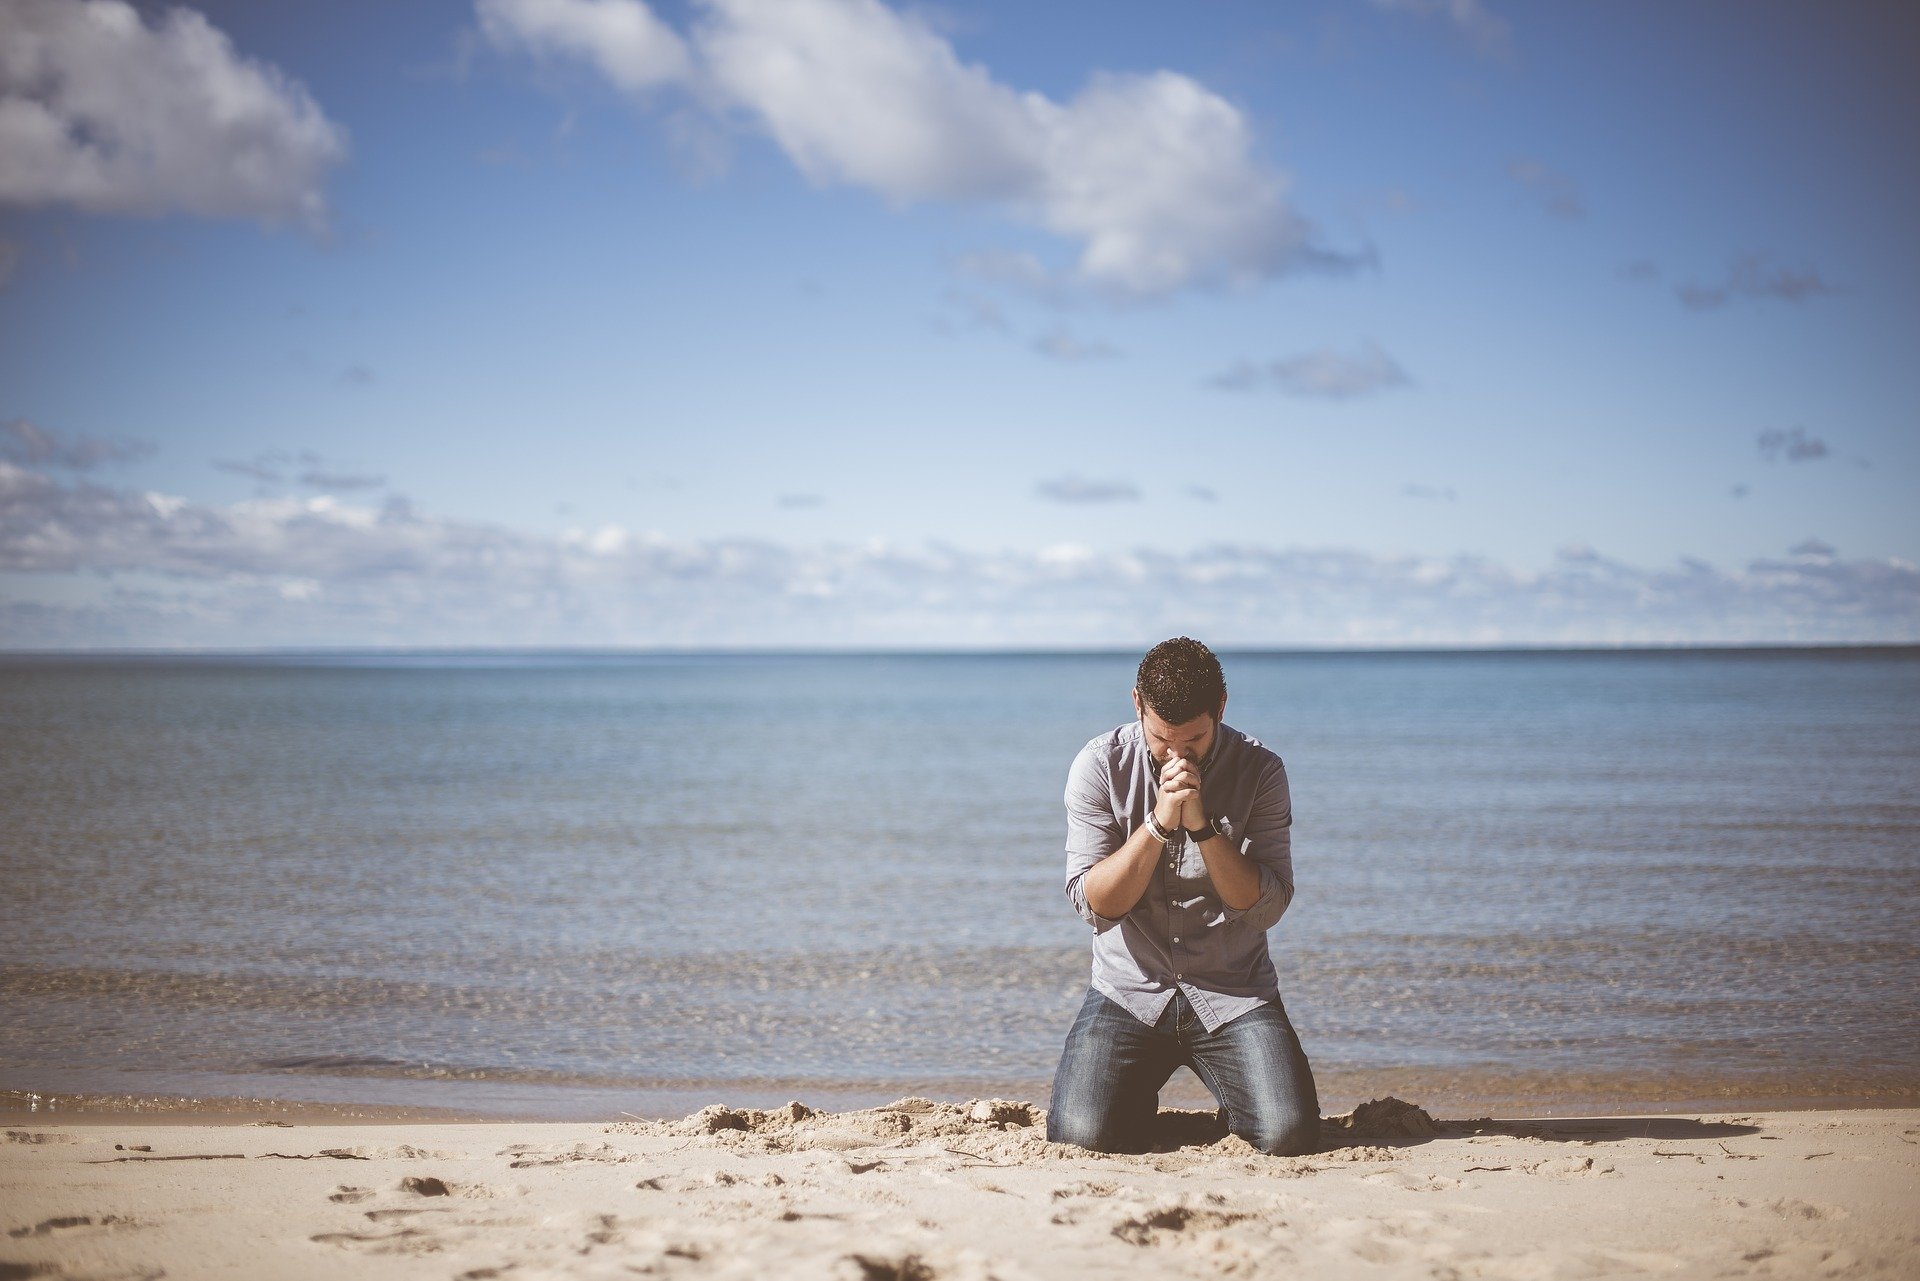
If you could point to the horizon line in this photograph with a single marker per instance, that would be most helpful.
(851, 651)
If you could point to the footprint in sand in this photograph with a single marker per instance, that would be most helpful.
(887, 1267)
(398, 1241)
(1167, 1225)
(67, 1223)
(37, 1136)
(404, 1212)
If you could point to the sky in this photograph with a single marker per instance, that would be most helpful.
(743, 323)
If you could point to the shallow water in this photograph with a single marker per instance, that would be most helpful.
(574, 884)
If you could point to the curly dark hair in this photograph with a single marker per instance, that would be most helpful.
(1181, 679)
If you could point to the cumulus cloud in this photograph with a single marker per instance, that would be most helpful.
(1325, 373)
(32, 445)
(623, 39)
(1075, 489)
(144, 568)
(1754, 276)
(1793, 446)
(106, 112)
(1154, 177)
(1815, 548)
(1486, 31)
(1058, 344)
(1552, 190)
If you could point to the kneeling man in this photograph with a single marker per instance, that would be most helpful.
(1179, 857)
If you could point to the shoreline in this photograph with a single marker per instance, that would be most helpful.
(948, 1191)
(346, 1098)
(20, 1107)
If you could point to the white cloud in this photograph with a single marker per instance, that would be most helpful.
(1153, 176)
(855, 93)
(137, 569)
(101, 111)
(623, 39)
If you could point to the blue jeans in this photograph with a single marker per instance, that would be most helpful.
(1107, 1090)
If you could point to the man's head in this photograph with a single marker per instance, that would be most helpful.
(1180, 694)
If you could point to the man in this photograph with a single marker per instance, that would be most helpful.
(1179, 857)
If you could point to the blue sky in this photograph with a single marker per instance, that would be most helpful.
(834, 322)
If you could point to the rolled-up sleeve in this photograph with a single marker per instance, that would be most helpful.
(1267, 840)
(1092, 830)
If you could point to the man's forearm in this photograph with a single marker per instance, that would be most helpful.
(1116, 882)
(1235, 877)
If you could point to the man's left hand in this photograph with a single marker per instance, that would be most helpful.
(1181, 774)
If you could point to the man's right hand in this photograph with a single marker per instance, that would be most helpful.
(1179, 783)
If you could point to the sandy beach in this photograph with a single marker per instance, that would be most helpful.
(926, 1190)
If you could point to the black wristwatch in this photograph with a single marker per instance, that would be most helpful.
(1207, 833)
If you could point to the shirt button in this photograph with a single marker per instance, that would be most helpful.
(1176, 938)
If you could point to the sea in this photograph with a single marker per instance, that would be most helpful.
(580, 885)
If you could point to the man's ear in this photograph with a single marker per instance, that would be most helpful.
(1137, 709)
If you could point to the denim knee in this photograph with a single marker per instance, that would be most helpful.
(1080, 1128)
(1063, 1127)
(1295, 1135)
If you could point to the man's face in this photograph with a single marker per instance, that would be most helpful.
(1190, 741)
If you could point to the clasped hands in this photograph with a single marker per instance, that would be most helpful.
(1179, 804)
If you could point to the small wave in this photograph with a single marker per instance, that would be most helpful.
(332, 1063)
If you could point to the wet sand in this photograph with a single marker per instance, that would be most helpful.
(935, 1190)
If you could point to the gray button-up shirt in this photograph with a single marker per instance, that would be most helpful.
(1180, 934)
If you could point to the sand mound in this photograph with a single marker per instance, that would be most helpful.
(1387, 1118)
(1003, 1129)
